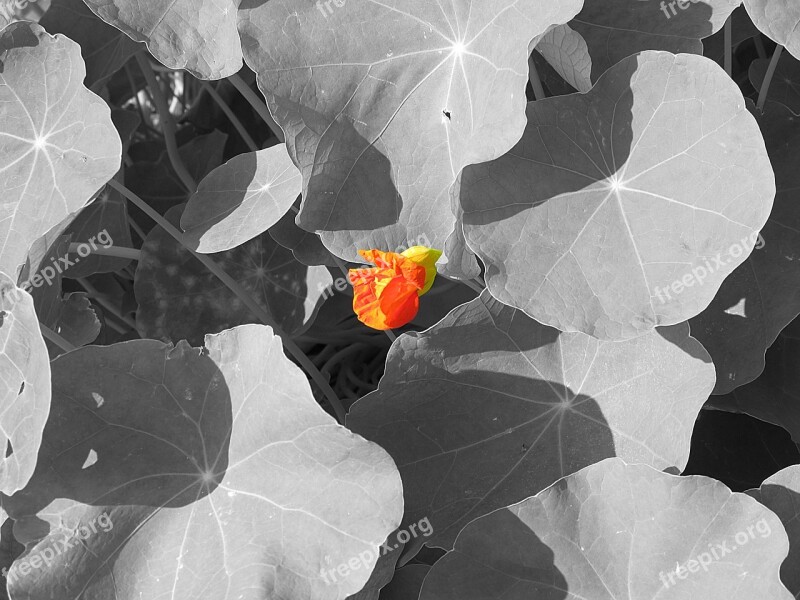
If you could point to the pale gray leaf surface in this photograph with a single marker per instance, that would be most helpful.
(612, 199)
(24, 386)
(781, 494)
(618, 532)
(241, 199)
(58, 145)
(384, 102)
(568, 54)
(489, 405)
(616, 29)
(779, 20)
(220, 474)
(762, 295)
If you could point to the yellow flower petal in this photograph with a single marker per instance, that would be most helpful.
(426, 257)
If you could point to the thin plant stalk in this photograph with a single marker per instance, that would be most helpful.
(258, 105)
(536, 82)
(115, 251)
(231, 116)
(773, 64)
(167, 124)
(728, 34)
(57, 339)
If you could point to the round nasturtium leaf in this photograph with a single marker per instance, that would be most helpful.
(383, 103)
(105, 49)
(779, 20)
(489, 405)
(241, 199)
(774, 396)
(58, 145)
(781, 494)
(615, 29)
(566, 51)
(215, 464)
(762, 296)
(619, 532)
(784, 87)
(24, 385)
(624, 208)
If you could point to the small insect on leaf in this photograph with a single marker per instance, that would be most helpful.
(387, 296)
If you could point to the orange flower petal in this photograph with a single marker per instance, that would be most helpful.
(387, 296)
(395, 303)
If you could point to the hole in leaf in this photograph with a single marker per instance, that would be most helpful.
(9, 449)
(446, 113)
(21, 388)
(90, 459)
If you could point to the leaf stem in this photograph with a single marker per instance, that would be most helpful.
(773, 64)
(136, 228)
(115, 251)
(728, 34)
(231, 116)
(167, 124)
(536, 82)
(472, 285)
(234, 286)
(59, 341)
(258, 104)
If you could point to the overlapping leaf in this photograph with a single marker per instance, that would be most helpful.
(156, 182)
(615, 29)
(179, 298)
(778, 20)
(305, 245)
(785, 85)
(566, 51)
(241, 199)
(106, 218)
(220, 475)
(407, 583)
(762, 296)
(742, 28)
(489, 405)
(58, 145)
(200, 37)
(614, 198)
(615, 531)
(781, 494)
(775, 396)
(69, 315)
(24, 386)
(383, 103)
(105, 49)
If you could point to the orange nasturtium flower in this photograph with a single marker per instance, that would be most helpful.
(387, 295)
